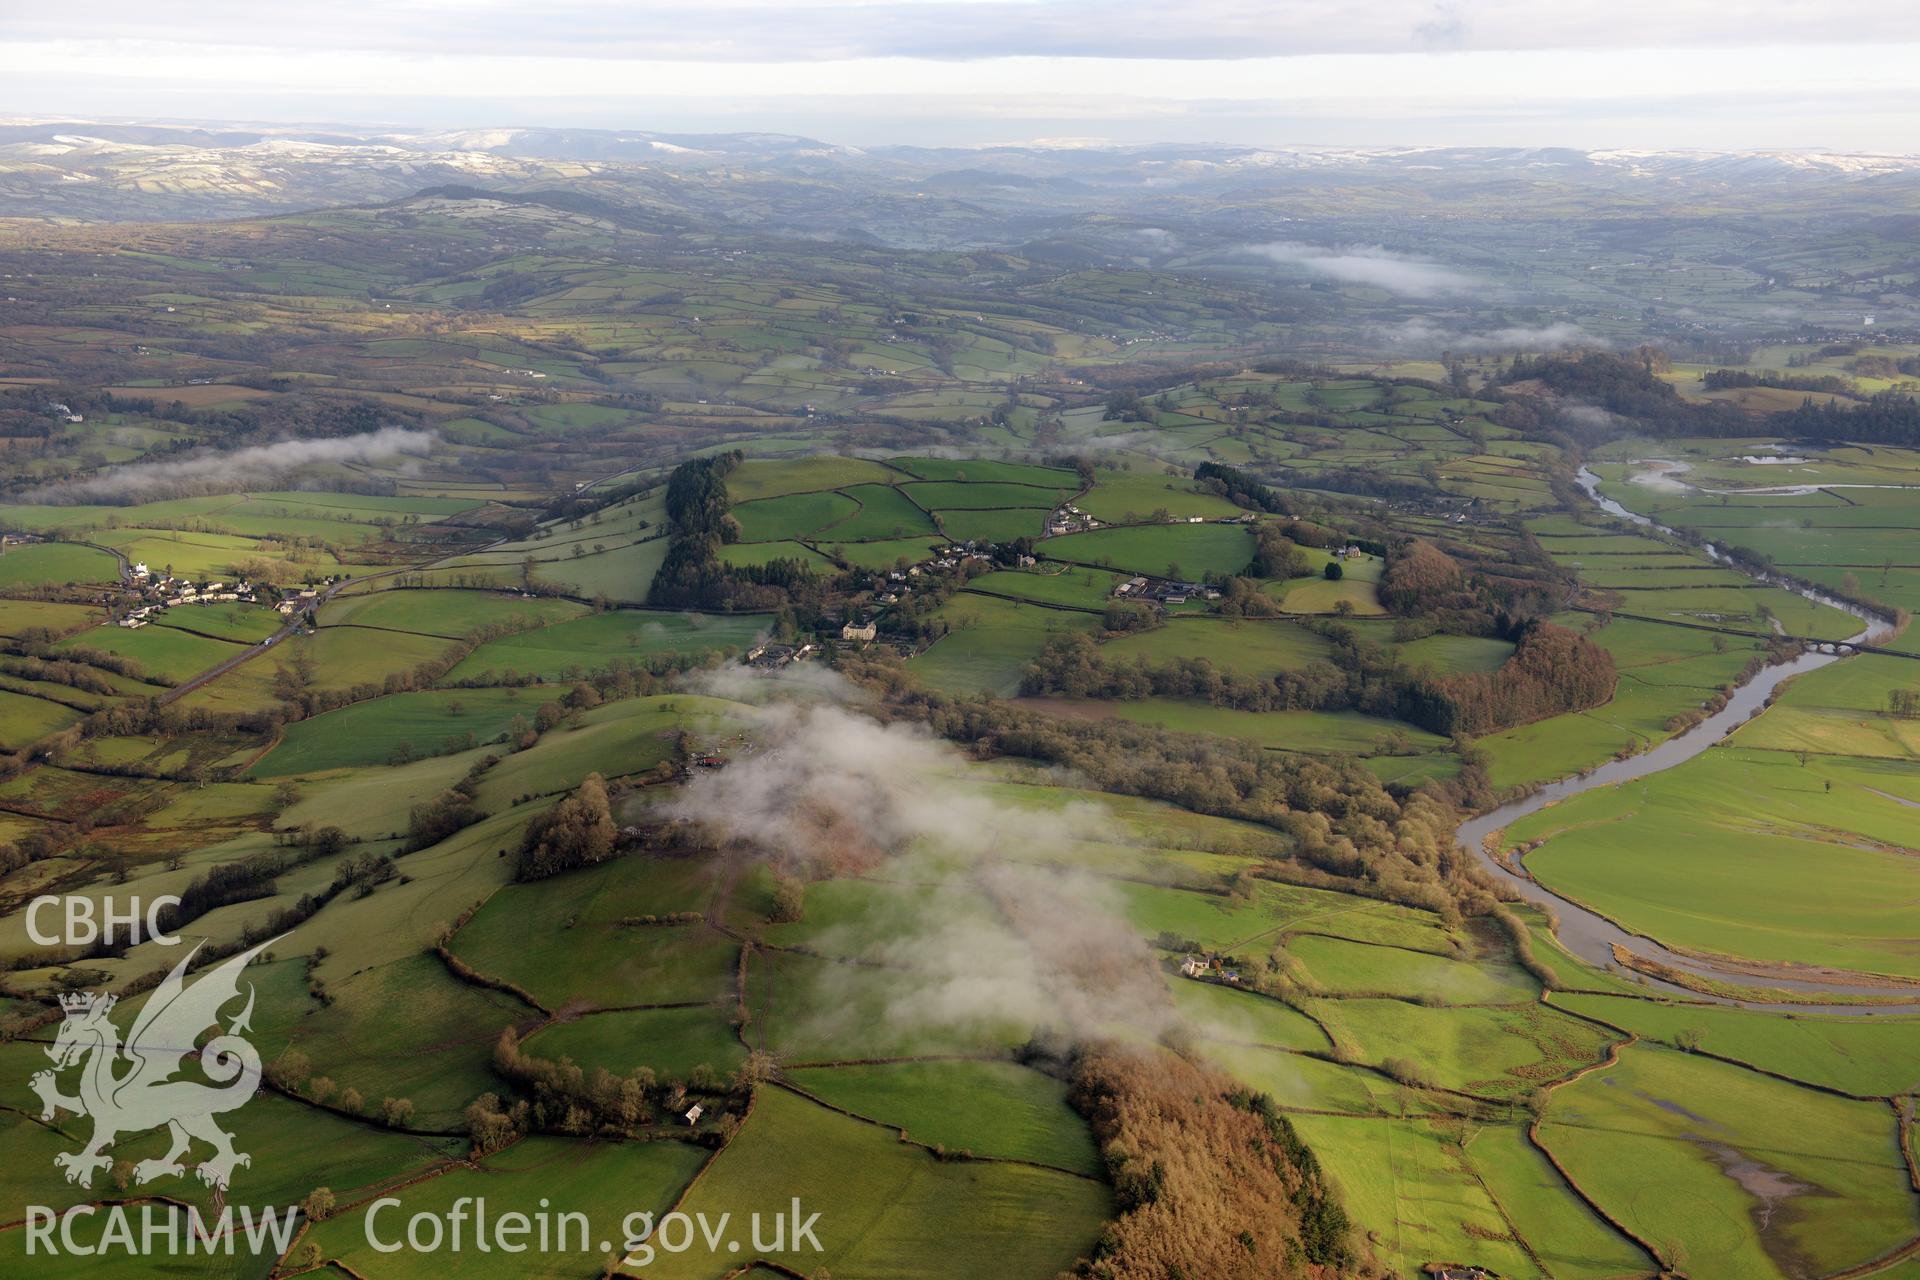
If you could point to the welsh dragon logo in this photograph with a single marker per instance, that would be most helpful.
(130, 1088)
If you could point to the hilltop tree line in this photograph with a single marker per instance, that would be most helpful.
(1241, 489)
(1730, 379)
(1630, 389)
(1887, 417)
(1552, 671)
(699, 523)
(1337, 818)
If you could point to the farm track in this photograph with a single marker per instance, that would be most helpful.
(253, 651)
(294, 622)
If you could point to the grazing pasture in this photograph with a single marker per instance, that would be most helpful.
(671, 1043)
(1816, 875)
(1073, 587)
(885, 512)
(449, 613)
(991, 524)
(1250, 646)
(990, 643)
(886, 1207)
(55, 564)
(995, 1109)
(597, 641)
(771, 478)
(605, 1182)
(399, 726)
(794, 516)
(1184, 551)
(25, 719)
(169, 654)
(1312, 732)
(1689, 1152)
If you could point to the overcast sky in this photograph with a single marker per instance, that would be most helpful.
(1625, 73)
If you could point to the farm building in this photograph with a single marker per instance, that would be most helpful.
(1208, 969)
(767, 657)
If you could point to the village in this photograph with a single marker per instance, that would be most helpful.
(154, 593)
(866, 620)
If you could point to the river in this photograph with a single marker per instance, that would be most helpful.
(1593, 937)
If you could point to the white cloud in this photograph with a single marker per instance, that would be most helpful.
(255, 467)
(1442, 71)
(966, 30)
(1425, 335)
(1370, 265)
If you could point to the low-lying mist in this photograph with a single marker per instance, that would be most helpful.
(978, 926)
(1369, 265)
(263, 466)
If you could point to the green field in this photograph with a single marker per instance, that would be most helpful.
(993, 524)
(1079, 588)
(884, 513)
(988, 1108)
(988, 471)
(600, 640)
(887, 1208)
(446, 613)
(55, 564)
(1689, 1150)
(1184, 551)
(1817, 877)
(404, 724)
(1250, 647)
(672, 1043)
(758, 478)
(793, 516)
(870, 918)
(1127, 497)
(606, 1185)
(1868, 1057)
(25, 719)
(1314, 732)
(991, 643)
(162, 653)
(756, 553)
(1447, 655)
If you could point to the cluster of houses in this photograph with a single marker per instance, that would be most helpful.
(1069, 519)
(1164, 591)
(946, 558)
(163, 591)
(1209, 968)
(160, 591)
(770, 656)
(953, 557)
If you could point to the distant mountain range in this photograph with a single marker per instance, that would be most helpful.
(104, 171)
